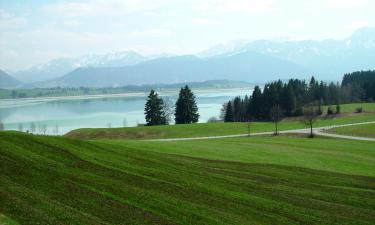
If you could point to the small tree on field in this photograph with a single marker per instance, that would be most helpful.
(223, 112)
(338, 109)
(56, 130)
(310, 115)
(2, 126)
(276, 115)
(124, 122)
(44, 129)
(20, 127)
(329, 110)
(168, 110)
(32, 127)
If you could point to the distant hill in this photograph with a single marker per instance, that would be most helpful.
(7, 81)
(262, 60)
(248, 66)
(328, 59)
(59, 67)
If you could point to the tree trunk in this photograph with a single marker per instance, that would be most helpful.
(276, 129)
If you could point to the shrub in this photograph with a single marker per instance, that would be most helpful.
(338, 109)
(213, 120)
(359, 110)
(329, 110)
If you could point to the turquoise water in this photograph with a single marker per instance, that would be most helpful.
(71, 113)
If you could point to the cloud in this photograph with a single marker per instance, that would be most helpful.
(204, 22)
(8, 21)
(71, 23)
(345, 3)
(225, 6)
(149, 33)
(95, 7)
(358, 24)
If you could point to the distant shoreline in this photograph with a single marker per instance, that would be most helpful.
(30, 100)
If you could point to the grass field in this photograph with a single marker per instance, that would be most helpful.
(210, 129)
(256, 180)
(351, 108)
(367, 130)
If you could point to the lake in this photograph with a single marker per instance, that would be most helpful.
(69, 113)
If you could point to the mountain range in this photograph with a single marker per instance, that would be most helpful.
(252, 61)
(7, 81)
(181, 69)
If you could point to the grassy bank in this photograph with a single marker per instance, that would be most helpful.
(367, 130)
(210, 129)
(263, 180)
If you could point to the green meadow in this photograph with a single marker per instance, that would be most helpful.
(365, 130)
(114, 179)
(217, 129)
(250, 180)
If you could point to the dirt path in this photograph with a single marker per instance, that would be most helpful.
(318, 131)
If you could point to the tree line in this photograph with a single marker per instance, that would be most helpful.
(291, 97)
(359, 86)
(159, 111)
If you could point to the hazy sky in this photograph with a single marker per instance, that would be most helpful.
(35, 31)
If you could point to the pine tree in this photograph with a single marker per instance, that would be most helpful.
(228, 112)
(186, 107)
(154, 113)
(290, 101)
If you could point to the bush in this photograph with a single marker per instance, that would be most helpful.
(359, 110)
(338, 109)
(329, 110)
(213, 120)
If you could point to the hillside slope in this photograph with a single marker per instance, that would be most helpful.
(7, 81)
(54, 180)
(249, 66)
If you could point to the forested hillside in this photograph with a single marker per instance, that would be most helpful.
(293, 95)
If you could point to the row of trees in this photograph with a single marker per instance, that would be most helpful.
(289, 97)
(34, 128)
(159, 111)
(359, 86)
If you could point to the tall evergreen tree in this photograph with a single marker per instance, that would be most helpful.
(154, 113)
(256, 102)
(228, 112)
(291, 102)
(186, 107)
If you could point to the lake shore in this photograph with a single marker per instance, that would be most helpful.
(12, 102)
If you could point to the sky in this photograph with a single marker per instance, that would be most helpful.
(33, 32)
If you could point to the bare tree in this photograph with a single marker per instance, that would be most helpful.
(213, 119)
(32, 127)
(223, 110)
(56, 130)
(310, 115)
(40, 128)
(168, 109)
(2, 127)
(109, 125)
(44, 129)
(20, 127)
(276, 116)
(124, 123)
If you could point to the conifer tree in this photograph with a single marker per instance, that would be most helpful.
(186, 107)
(228, 112)
(154, 113)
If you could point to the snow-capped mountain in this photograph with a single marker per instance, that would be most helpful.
(7, 81)
(328, 59)
(59, 67)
